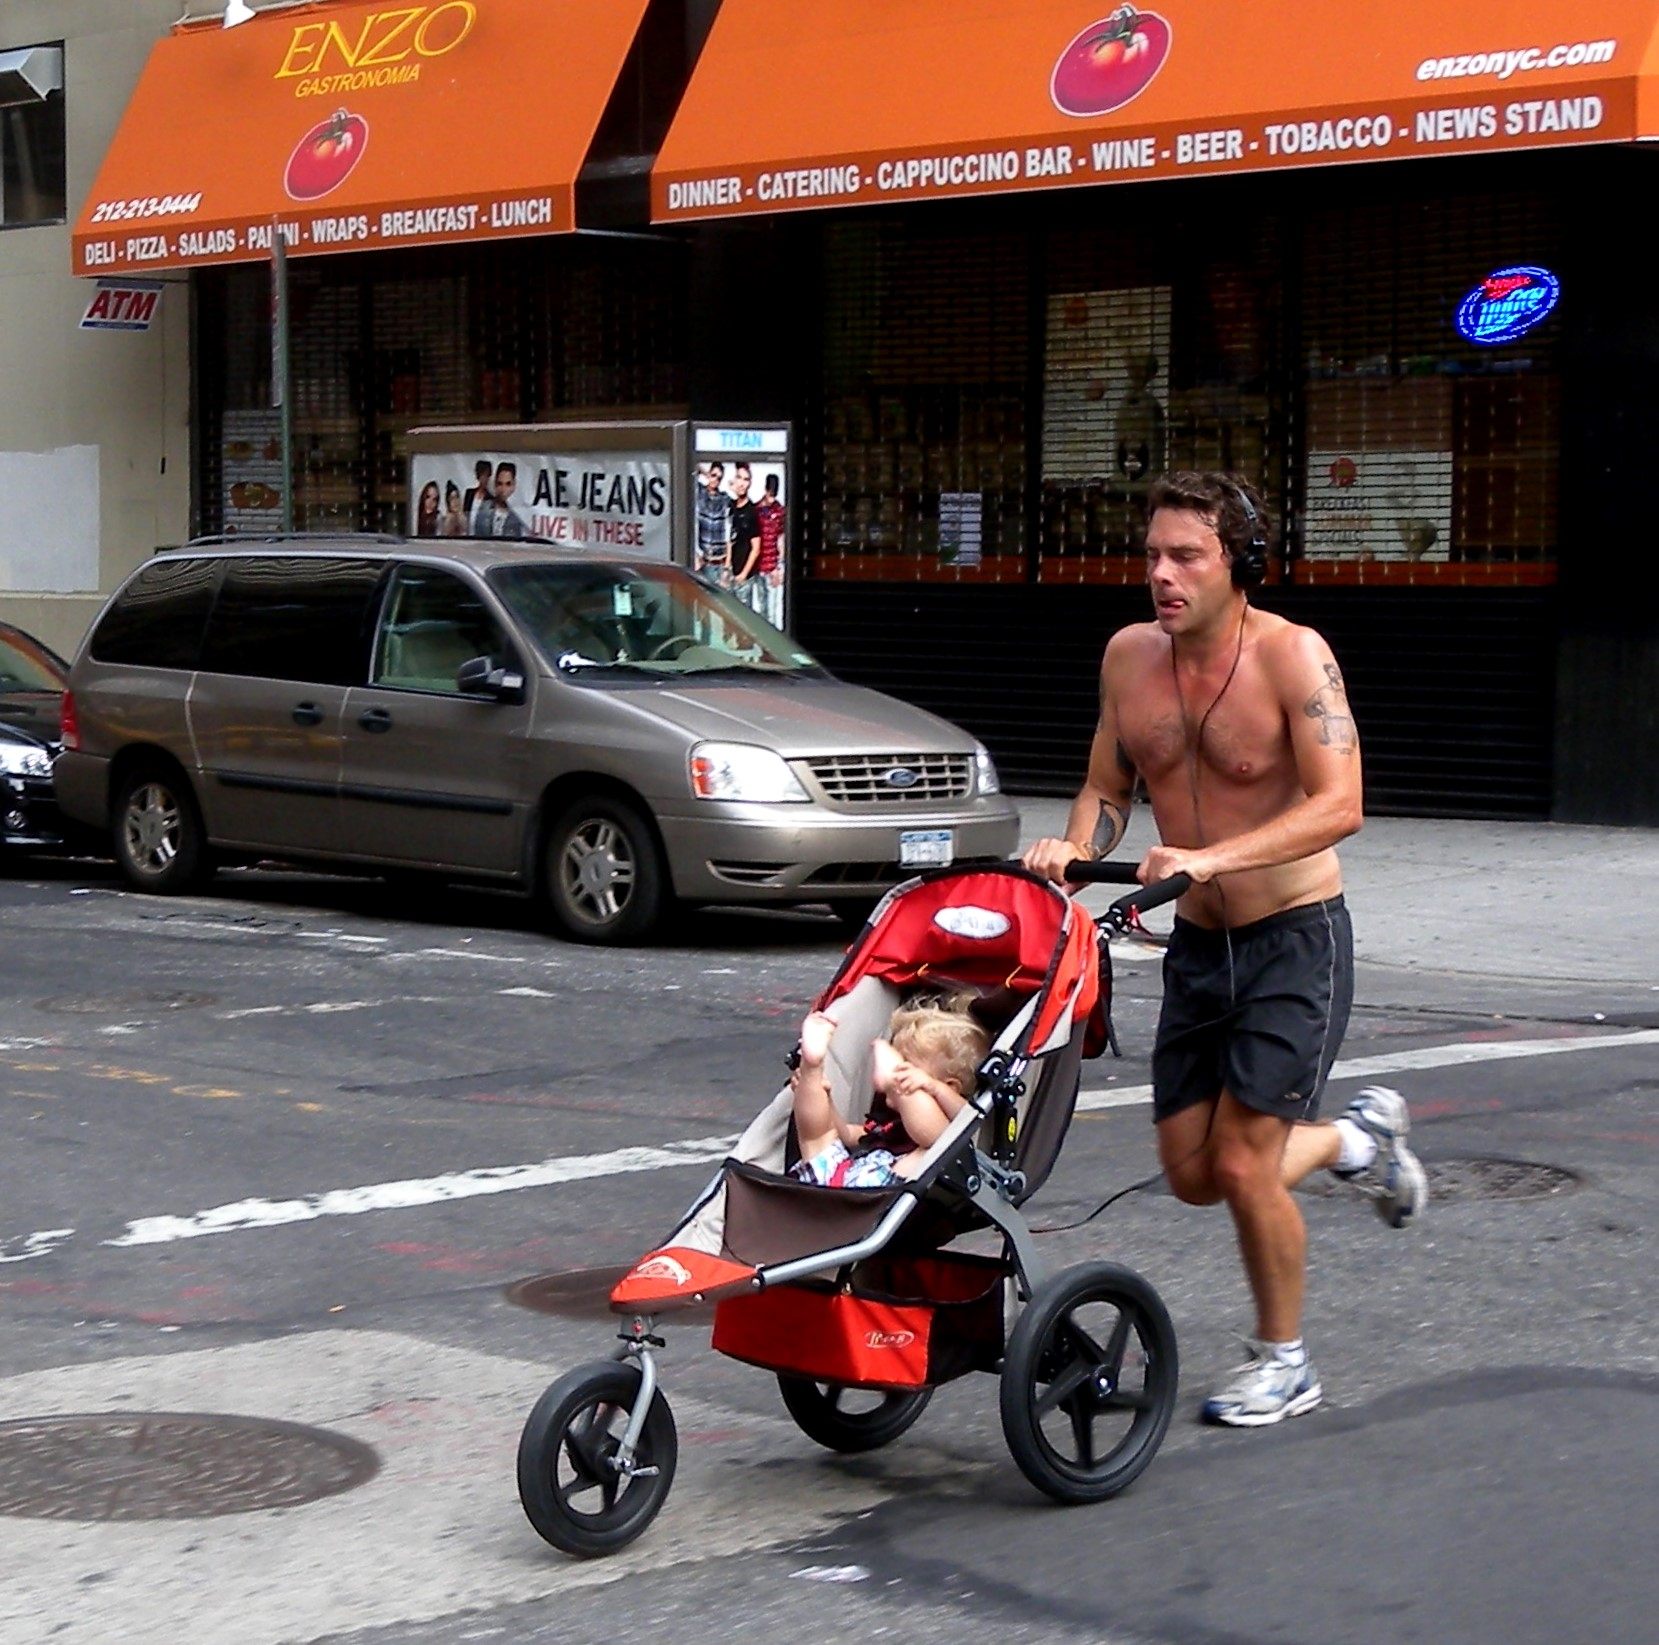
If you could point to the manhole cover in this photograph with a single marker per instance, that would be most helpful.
(583, 1293)
(170, 1465)
(105, 1005)
(1454, 1180)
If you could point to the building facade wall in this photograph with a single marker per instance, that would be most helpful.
(114, 404)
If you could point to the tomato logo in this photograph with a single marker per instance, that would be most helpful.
(1110, 63)
(325, 156)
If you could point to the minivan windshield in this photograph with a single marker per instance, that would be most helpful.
(645, 620)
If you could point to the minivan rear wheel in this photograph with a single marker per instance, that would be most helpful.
(160, 843)
(604, 874)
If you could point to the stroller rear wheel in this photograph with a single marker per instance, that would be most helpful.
(568, 1481)
(851, 1419)
(1088, 1382)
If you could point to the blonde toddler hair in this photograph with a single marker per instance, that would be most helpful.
(941, 1032)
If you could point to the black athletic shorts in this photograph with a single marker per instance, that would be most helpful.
(1259, 1011)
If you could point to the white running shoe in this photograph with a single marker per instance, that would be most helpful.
(1395, 1179)
(1262, 1391)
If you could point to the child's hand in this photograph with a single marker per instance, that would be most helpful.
(816, 1033)
(885, 1064)
(906, 1078)
(923, 1102)
(910, 1081)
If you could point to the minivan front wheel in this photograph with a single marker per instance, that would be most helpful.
(604, 875)
(160, 843)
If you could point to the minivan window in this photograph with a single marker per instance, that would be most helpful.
(431, 623)
(26, 665)
(156, 621)
(645, 619)
(289, 619)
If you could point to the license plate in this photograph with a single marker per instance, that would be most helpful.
(926, 848)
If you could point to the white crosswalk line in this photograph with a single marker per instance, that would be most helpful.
(245, 1215)
(1402, 1062)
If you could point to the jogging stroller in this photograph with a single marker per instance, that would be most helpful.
(854, 1297)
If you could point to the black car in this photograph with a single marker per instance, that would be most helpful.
(31, 695)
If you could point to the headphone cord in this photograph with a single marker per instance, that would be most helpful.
(1194, 749)
(1133, 1188)
(1111, 1199)
(1196, 745)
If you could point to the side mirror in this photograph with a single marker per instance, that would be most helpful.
(483, 677)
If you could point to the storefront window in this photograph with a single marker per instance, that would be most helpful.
(917, 468)
(1149, 365)
(1426, 457)
(995, 403)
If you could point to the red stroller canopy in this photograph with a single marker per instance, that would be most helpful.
(986, 928)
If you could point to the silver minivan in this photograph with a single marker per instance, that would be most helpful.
(613, 735)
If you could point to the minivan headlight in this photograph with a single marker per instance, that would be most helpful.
(986, 780)
(738, 771)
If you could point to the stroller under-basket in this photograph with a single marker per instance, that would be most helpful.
(853, 1296)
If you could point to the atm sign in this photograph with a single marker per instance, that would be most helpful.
(122, 305)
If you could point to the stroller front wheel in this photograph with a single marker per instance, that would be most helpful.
(850, 1419)
(1088, 1382)
(569, 1481)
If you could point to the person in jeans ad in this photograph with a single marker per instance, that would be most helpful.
(745, 535)
(714, 527)
(773, 517)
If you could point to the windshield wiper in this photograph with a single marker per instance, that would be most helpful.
(772, 671)
(570, 661)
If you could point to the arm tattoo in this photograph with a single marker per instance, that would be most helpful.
(1109, 828)
(1329, 705)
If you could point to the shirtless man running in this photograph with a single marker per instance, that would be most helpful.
(1238, 723)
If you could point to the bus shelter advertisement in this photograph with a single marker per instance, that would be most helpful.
(740, 513)
(609, 502)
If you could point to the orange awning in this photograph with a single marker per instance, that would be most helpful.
(843, 102)
(357, 126)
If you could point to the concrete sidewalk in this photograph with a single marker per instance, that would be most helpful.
(1539, 901)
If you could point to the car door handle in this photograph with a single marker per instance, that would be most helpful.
(307, 714)
(375, 719)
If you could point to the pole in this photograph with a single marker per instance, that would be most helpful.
(280, 397)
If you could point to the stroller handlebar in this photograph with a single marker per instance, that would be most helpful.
(1116, 918)
(1080, 871)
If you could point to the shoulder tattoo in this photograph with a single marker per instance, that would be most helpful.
(1329, 706)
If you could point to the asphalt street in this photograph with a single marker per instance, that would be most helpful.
(290, 1149)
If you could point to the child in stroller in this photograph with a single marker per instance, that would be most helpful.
(923, 1070)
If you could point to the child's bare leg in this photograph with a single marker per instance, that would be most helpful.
(817, 1124)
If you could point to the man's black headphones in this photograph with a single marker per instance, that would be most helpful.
(1249, 563)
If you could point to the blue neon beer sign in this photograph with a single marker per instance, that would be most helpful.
(1507, 304)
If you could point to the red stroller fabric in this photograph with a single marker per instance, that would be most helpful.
(991, 929)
